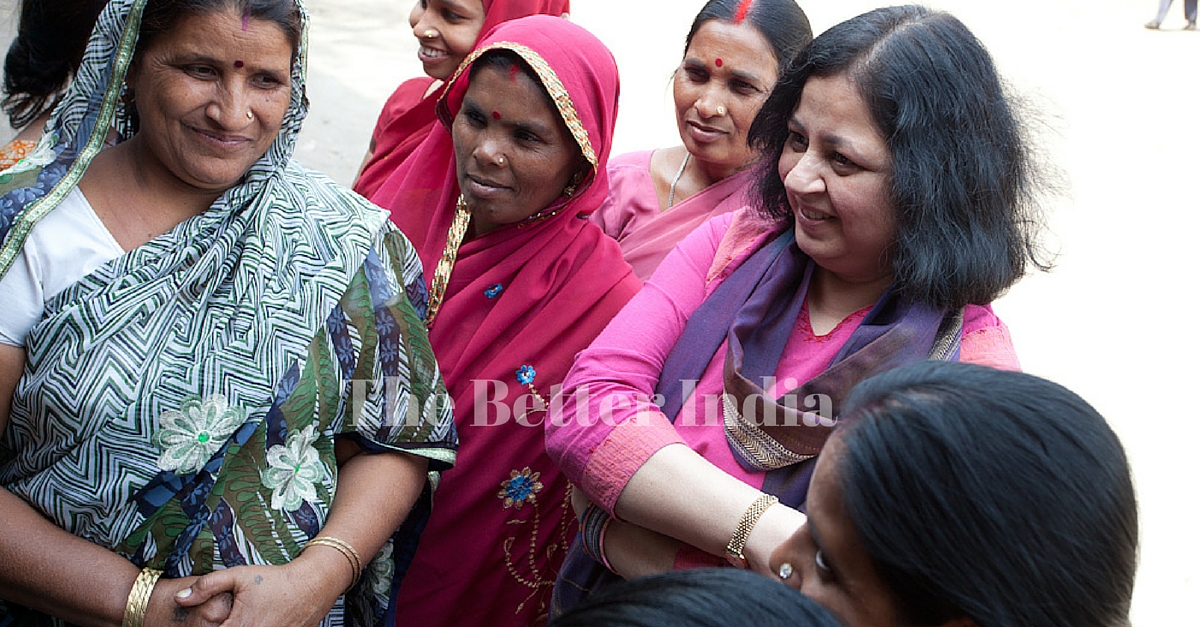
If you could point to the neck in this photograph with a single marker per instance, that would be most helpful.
(831, 298)
(707, 173)
(33, 130)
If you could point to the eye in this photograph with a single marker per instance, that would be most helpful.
(202, 72)
(843, 163)
(451, 16)
(474, 117)
(526, 136)
(742, 88)
(696, 75)
(797, 142)
(267, 81)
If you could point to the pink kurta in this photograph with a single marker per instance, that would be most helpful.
(623, 365)
(632, 216)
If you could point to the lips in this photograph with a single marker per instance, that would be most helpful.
(704, 133)
(221, 140)
(431, 55)
(484, 187)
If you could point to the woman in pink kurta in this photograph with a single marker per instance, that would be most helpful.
(705, 402)
(732, 55)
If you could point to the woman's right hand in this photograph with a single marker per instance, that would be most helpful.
(163, 610)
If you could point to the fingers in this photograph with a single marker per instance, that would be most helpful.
(216, 610)
(206, 587)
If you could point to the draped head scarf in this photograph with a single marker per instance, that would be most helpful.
(398, 135)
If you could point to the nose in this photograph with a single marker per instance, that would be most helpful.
(230, 107)
(490, 151)
(417, 19)
(805, 176)
(709, 104)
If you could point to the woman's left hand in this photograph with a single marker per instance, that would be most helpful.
(298, 594)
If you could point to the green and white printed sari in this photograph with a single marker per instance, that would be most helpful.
(180, 404)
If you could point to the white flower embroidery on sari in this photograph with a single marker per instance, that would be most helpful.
(294, 470)
(190, 436)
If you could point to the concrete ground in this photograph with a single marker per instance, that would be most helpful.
(1120, 105)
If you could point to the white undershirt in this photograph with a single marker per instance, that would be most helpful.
(65, 246)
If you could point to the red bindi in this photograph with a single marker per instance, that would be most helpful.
(496, 115)
(720, 62)
(239, 63)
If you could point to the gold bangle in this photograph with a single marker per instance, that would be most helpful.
(139, 597)
(733, 551)
(346, 550)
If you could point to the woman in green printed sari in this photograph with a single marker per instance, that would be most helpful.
(210, 358)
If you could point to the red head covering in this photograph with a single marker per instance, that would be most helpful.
(408, 115)
(530, 294)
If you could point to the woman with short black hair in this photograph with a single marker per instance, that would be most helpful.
(897, 200)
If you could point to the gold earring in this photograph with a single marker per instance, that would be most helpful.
(569, 190)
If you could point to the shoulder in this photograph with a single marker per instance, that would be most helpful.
(407, 95)
(637, 160)
(986, 339)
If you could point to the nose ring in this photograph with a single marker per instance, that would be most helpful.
(721, 110)
(429, 34)
(249, 115)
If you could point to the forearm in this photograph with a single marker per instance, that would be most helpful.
(682, 495)
(375, 493)
(48, 569)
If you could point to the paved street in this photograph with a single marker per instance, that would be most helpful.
(1120, 106)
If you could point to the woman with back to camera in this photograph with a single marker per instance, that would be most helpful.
(732, 56)
(208, 359)
(952, 494)
(896, 201)
(705, 597)
(496, 202)
(40, 62)
(447, 31)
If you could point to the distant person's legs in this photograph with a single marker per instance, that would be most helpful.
(1163, 7)
(1189, 11)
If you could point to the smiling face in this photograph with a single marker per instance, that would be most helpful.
(513, 152)
(726, 74)
(830, 564)
(210, 96)
(836, 169)
(447, 31)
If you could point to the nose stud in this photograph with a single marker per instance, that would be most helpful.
(429, 34)
(721, 110)
(785, 571)
(249, 115)
(499, 160)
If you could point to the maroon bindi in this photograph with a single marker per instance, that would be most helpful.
(239, 63)
(720, 62)
(496, 115)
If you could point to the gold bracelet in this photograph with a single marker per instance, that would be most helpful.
(346, 550)
(733, 551)
(139, 597)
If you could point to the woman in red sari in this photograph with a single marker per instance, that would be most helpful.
(447, 30)
(496, 201)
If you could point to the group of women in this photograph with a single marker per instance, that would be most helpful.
(234, 392)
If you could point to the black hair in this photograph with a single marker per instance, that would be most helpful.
(160, 16)
(782, 22)
(994, 495)
(51, 38)
(714, 597)
(964, 180)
